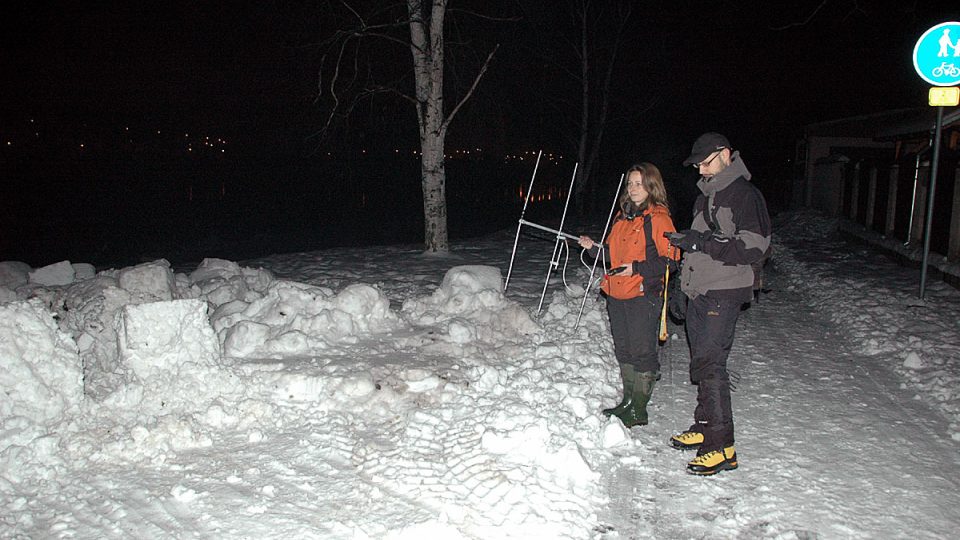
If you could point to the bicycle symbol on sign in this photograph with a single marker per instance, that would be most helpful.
(949, 70)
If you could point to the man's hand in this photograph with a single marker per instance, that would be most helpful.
(677, 301)
(688, 240)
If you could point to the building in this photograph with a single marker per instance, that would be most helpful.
(874, 171)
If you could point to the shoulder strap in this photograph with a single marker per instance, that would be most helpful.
(710, 215)
(651, 247)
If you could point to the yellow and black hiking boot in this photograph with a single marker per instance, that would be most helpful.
(688, 440)
(713, 462)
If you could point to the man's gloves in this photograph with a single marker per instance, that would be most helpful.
(676, 301)
(689, 240)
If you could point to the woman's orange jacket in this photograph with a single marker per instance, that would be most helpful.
(627, 242)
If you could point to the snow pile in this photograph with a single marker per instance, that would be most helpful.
(176, 362)
(42, 384)
(88, 306)
(297, 319)
(41, 372)
(14, 273)
(470, 306)
(169, 359)
(61, 273)
(474, 461)
(149, 360)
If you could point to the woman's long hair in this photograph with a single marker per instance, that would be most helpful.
(652, 182)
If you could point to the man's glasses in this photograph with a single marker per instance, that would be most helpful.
(709, 161)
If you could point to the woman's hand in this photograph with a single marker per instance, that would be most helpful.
(586, 242)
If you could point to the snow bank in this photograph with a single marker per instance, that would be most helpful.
(469, 305)
(13, 274)
(61, 273)
(445, 403)
(42, 383)
(298, 319)
(41, 373)
(169, 360)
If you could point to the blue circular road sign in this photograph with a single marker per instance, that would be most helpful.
(937, 54)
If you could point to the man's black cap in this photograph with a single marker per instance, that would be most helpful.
(705, 145)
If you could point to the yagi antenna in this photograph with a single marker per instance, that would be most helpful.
(606, 229)
(560, 235)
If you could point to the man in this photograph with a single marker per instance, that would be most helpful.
(729, 233)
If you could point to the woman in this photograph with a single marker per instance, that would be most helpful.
(639, 254)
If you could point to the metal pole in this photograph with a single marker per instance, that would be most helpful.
(593, 270)
(549, 230)
(930, 198)
(913, 198)
(522, 212)
(555, 258)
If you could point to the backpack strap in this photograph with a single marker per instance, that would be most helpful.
(710, 216)
(651, 252)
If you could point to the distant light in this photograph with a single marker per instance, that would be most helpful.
(81, 145)
(158, 132)
(9, 143)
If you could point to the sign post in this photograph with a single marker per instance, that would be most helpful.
(936, 57)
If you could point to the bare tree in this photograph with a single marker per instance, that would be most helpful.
(595, 99)
(591, 34)
(426, 41)
(849, 9)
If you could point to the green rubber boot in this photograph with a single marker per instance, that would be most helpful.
(636, 413)
(627, 377)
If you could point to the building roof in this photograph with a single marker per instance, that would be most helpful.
(885, 125)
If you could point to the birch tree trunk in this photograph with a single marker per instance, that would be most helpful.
(426, 26)
(426, 44)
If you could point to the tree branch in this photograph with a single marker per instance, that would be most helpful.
(482, 16)
(476, 81)
(807, 20)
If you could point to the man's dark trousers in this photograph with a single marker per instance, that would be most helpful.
(711, 323)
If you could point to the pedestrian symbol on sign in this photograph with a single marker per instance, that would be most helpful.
(945, 44)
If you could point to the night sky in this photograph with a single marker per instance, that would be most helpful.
(246, 73)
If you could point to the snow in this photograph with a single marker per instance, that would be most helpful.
(386, 393)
